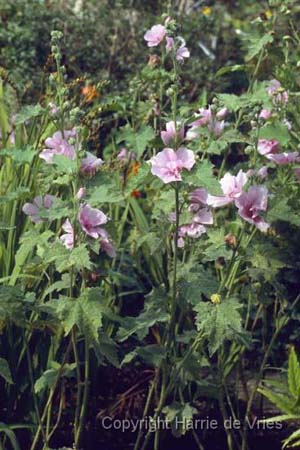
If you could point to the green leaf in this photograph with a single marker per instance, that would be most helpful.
(64, 164)
(256, 44)
(105, 194)
(219, 322)
(283, 212)
(294, 374)
(202, 176)
(151, 354)
(277, 131)
(84, 312)
(155, 311)
(5, 371)
(28, 112)
(6, 429)
(180, 416)
(136, 140)
(19, 156)
(283, 402)
(230, 69)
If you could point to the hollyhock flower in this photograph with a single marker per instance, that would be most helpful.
(197, 198)
(90, 164)
(222, 113)
(90, 220)
(170, 43)
(265, 146)
(33, 209)
(81, 193)
(262, 172)
(182, 52)
(67, 238)
(168, 164)
(276, 92)
(232, 187)
(155, 35)
(125, 155)
(59, 145)
(283, 158)
(265, 114)
(168, 136)
(206, 118)
(106, 244)
(53, 109)
(196, 228)
(250, 204)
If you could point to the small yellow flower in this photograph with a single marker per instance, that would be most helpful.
(206, 11)
(215, 299)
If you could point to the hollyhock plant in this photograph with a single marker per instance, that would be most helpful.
(90, 164)
(171, 135)
(155, 35)
(168, 164)
(58, 145)
(33, 209)
(232, 187)
(250, 204)
(67, 238)
(265, 146)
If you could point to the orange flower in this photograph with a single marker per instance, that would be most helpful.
(135, 168)
(89, 92)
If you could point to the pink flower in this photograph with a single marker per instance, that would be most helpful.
(262, 172)
(222, 113)
(264, 146)
(90, 220)
(276, 92)
(232, 187)
(206, 118)
(265, 114)
(33, 209)
(58, 145)
(90, 164)
(81, 193)
(106, 244)
(155, 35)
(197, 198)
(170, 43)
(170, 134)
(125, 155)
(196, 228)
(182, 52)
(250, 204)
(283, 158)
(168, 164)
(67, 238)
